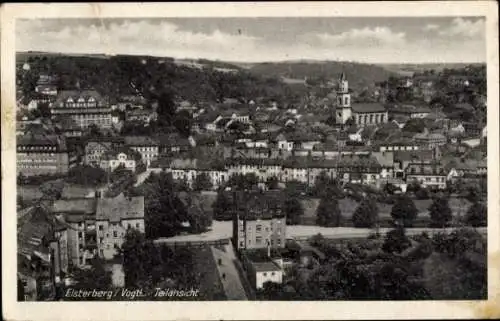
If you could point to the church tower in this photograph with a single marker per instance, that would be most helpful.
(343, 107)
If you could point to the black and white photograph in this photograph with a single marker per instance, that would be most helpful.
(253, 158)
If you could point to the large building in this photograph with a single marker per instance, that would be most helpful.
(95, 227)
(146, 146)
(259, 221)
(43, 155)
(85, 108)
(362, 113)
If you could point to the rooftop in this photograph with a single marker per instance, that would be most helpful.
(368, 108)
(120, 208)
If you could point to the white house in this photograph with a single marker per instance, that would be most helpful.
(123, 157)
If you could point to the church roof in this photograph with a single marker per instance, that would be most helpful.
(368, 108)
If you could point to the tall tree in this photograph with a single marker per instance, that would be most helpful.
(440, 212)
(202, 182)
(404, 211)
(293, 210)
(366, 214)
(328, 213)
(222, 207)
(396, 241)
(477, 215)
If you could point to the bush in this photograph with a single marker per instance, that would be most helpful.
(86, 175)
(366, 214)
(477, 215)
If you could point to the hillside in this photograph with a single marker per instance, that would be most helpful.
(359, 75)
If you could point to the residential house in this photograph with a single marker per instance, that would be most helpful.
(409, 111)
(261, 270)
(263, 168)
(188, 169)
(174, 143)
(114, 217)
(141, 115)
(43, 155)
(96, 147)
(431, 175)
(360, 169)
(50, 90)
(85, 107)
(259, 222)
(123, 157)
(430, 140)
(146, 146)
(402, 159)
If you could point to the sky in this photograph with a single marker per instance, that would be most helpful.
(367, 40)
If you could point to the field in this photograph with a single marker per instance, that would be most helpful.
(32, 192)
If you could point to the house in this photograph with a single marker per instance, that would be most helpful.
(402, 159)
(307, 169)
(355, 134)
(472, 129)
(146, 146)
(86, 108)
(43, 155)
(34, 100)
(263, 168)
(361, 169)
(431, 175)
(78, 237)
(262, 270)
(123, 157)
(409, 111)
(38, 265)
(114, 216)
(188, 169)
(50, 90)
(259, 222)
(430, 140)
(96, 147)
(141, 115)
(174, 143)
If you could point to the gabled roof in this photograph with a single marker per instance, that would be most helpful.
(74, 205)
(120, 208)
(63, 95)
(140, 141)
(368, 108)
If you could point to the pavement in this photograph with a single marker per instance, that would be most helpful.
(223, 230)
(228, 273)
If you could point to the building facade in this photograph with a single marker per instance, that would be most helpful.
(85, 108)
(43, 155)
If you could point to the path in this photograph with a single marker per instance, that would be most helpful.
(228, 274)
(223, 230)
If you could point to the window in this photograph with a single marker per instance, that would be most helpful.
(265, 274)
(137, 225)
(100, 227)
(258, 240)
(258, 228)
(115, 246)
(115, 234)
(272, 273)
(80, 234)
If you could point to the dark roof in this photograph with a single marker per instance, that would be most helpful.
(368, 108)
(140, 141)
(41, 140)
(120, 208)
(411, 155)
(425, 169)
(75, 205)
(76, 94)
(131, 154)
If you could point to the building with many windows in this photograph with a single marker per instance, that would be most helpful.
(431, 175)
(259, 222)
(85, 108)
(146, 146)
(43, 155)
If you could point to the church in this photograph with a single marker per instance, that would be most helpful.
(363, 114)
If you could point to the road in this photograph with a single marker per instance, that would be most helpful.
(223, 230)
(228, 274)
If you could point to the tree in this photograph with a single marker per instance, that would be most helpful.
(477, 215)
(243, 182)
(366, 214)
(403, 211)
(164, 211)
(222, 207)
(97, 277)
(183, 123)
(86, 175)
(422, 193)
(199, 220)
(328, 213)
(293, 210)
(272, 182)
(396, 241)
(166, 107)
(440, 212)
(137, 257)
(202, 182)
(414, 125)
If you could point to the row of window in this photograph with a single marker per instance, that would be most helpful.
(37, 166)
(40, 148)
(370, 119)
(37, 160)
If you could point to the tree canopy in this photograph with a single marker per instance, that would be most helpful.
(404, 211)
